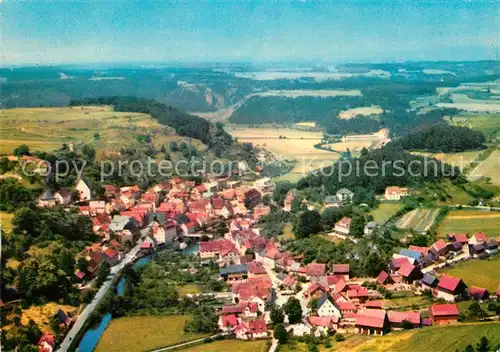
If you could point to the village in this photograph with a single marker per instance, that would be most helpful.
(261, 274)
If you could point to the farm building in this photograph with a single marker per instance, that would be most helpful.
(450, 288)
(443, 314)
(372, 322)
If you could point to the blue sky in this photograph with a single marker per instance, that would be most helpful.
(54, 32)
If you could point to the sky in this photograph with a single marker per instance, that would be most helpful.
(335, 31)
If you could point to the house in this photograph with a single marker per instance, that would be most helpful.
(461, 237)
(322, 325)
(111, 191)
(234, 272)
(479, 293)
(212, 249)
(227, 211)
(414, 257)
(325, 308)
(443, 314)
(440, 247)
(427, 254)
(260, 211)
(384, 278)
(395, 193)
(371, 322)
(478, 250)
(84, 190)
(46, 199)
(478, 238)
(343, 226)
(397, 319)
(251, 330)
(344, 195)
(63, 197)
(111, 256)
(252, 198)
(332, 202)
(374, 305)
(287, 203)
(370, 227)
(491, 246)
(429, 282)
(46, 343)
(227, 323)
(410, 273)
(300, 329)
(315, 269)
(229, 255)
(450, 288)
(342, 270)
(63, 319)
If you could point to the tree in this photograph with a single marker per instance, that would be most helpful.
(277, 316)
(293, 310)
(88, 152)
(23, 149)
(357, 226)
(280, 333)
(419, 240)
(173, 146)
(469, 348)
(483, 345)
(475, 311)
(102, 273)
(308, 223)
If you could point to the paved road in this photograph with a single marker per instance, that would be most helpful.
(82, 318)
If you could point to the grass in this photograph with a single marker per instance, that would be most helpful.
(144, 333)
(6, 221)
(483, 273)
(488, 168)
(231, 346)
(42, 315)
(489, 124)
(460, 160)
(46, 129)
(384, 211)
(188, 289)
(398, 303)
(470, 221)
(418, 219)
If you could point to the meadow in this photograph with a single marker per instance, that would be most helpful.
(364, 111)
(482, 273)
(489, 124)
(294, 145)
(470, 221)
(490, 167)
(460, 160)
(144, 333)
(384, 211)
(231, 346)
(418, 219)
(46, 129)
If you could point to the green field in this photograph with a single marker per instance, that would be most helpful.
(384, 211)
(46, 129)
(489, 124)
(231, 346)
(419, 219)
(483, 273)
(143, 333)
(470, 221)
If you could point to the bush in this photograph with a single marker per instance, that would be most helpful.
(208, 340)
(339, 337)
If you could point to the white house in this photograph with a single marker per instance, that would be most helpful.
(84, 190)
(63, 197)
(395, 193)
(325, 308)
(345, 195)
(343, 226)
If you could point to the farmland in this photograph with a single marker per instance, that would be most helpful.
(384, 211)
(365, 111)
(419, 220)
(489, 124)
(293, 145)
(482, 273)
(231, 346)
(46, 129)
(323, 93)
(188, 289)
(460, 160)
(489, 167)
(42, 315)
(470, 221)
(149, 332)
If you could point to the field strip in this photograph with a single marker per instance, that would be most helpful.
(479, 216)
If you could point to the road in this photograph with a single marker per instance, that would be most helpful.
(82, 318)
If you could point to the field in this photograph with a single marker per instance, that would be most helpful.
(188, 289)
(365, 111)
(384, 211)
(435, 339)
(42, 315)
(47, 129)
(489, 124)
(323, 93)
(144, 333)
(482, 273)
(460, 160)
(419, 220)
(6, 221)
(470, 221)
(488, 168)
(297, 145)
(231, 346)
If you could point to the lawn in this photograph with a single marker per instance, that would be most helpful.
(188, 289)
(42, 315)
(143, 333)
(483, 273)
(6, 221)
(470, 221)
(419, 219)
(231, 346)
(407, 302)
(384, 211)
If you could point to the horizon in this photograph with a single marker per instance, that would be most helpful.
(81, 33)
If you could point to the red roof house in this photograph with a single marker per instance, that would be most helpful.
(371, 321)
(442, 314)
(478, 293)
(315, 269)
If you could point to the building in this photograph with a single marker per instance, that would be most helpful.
(342, 270)
(410, 273)
(227, 323)
(479, 293)
(46, 199)
(63, 197)
(450, 288)
(371, 322)
(252, 198)
(395, 193)
(322, 325)
(343, 226)
(84, 190)
(443, 314)
(370, 227)
(344, 195)
(234, 272)
(325, 308)
(429, 282)
(251, 330)
(260, 211)
(332, 202)
(397, 319)
(315, 269)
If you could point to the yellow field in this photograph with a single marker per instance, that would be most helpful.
(366, 110)
(144, 333)
(42, 315)
(488, 168)
(231, 346)
(48, 128)
(298, 145)
(470, 221)
(188, 289)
